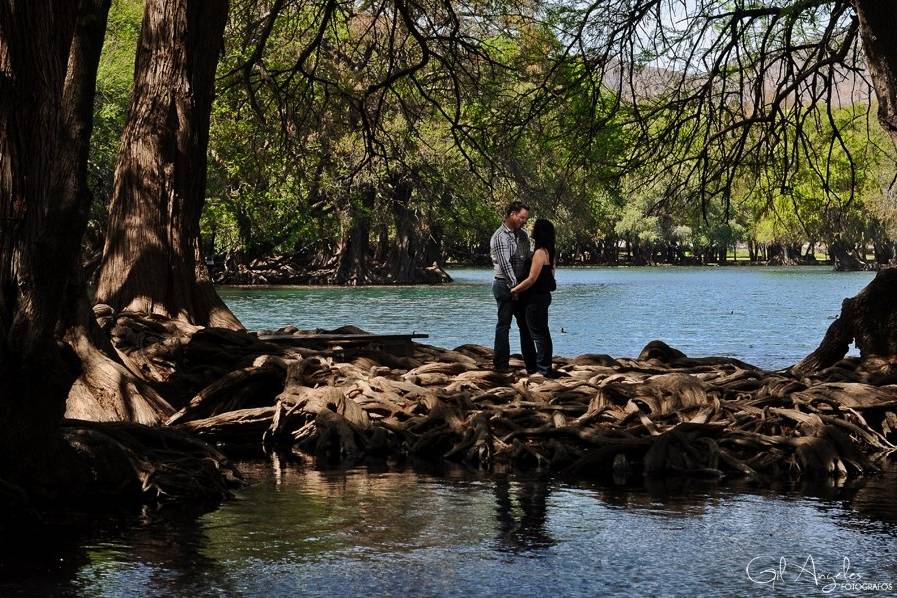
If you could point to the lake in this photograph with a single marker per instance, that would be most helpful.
(411, 529)
(771, 317)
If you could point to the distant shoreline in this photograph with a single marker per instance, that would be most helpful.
(731, 263)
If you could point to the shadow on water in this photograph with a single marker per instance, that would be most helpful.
(872, 498)
(76, 554)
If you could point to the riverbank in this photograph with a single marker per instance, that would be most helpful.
(870, 266)
(313, 269)
(285, 270)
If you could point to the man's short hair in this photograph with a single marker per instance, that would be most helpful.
(516, 206)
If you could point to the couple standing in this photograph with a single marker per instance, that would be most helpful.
(522, 288)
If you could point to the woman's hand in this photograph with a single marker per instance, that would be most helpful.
(540, 258)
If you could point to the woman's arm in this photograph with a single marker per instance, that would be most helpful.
(540, 258)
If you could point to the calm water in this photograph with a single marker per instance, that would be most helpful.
(771, 317)
(296, 530)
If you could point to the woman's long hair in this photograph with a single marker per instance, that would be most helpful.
(544, 237)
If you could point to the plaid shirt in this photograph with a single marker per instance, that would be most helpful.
(509, 251)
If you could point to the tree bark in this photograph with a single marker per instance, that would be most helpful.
(783, 254)
(869, 320)
(885, 253)
(37, 240)
(844, 258)
(354, 259)
(105, 389)
(878, 32)
(152, 261)
(407, 254)
(434, 250)
(382, 242)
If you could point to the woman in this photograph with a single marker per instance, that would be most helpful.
(535, 292)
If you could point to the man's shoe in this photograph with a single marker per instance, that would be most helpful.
(555, 374)
(502, 370)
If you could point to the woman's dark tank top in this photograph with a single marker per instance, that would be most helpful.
(545, 283)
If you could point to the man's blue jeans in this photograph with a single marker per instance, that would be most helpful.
(508, 309)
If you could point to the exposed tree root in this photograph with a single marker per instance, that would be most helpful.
(147, 464)
(660, 414)
(107, 391)
(114, 465)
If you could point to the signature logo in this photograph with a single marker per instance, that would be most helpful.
(807, 572)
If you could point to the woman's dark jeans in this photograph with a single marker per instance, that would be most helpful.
(537, 322)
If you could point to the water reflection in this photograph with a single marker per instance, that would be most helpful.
(389, 530)
(526, 527)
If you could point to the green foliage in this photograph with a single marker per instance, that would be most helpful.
(115, 79)
(287, 172)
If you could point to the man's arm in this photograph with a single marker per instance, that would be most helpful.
(501, 249)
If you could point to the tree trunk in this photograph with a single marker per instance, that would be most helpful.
(844, 259)
(869, 320)
(434, 251)
(406, 253)
(105, 389)
(382, 242)
(37, 240)
(810, 256)
(878, 31)
(152, 261)
(354, 259)
(885, 253)
(783, 254)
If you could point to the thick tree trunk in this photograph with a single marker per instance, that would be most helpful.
(869, 320)
(783, 254)
(844, 258)
(752, 251)
(878, 31)
(885, 253)
(407, 254)
(434, 251)
(37, 241)
(382, 243)
(106, 389)
(152, 261)
(354, 259)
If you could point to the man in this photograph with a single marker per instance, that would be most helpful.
(510, 251)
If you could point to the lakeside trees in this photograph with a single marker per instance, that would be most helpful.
(289, 171)
(395, 130)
